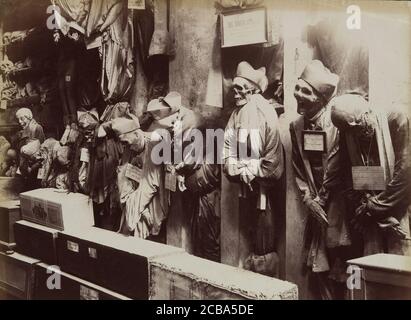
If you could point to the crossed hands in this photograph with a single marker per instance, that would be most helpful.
(316, 210)
(364, 217)
(246, 175)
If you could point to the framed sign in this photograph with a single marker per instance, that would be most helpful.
(243, 27)
(368, 178)
(314, 141)
(137, 4)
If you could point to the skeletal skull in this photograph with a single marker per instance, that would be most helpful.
(243, 90)
(308, 100)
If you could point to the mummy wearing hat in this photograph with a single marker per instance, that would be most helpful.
(316, 164)
(253, 130)
(147, 207)
(376, 142)
(127, 130)
(30, 128)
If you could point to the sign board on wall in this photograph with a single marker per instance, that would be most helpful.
(243, 27)
(137, 4)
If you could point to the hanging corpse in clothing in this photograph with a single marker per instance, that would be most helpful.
(253, 128)
(105, 25)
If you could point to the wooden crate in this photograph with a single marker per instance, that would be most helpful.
(111, 260)
(57, 209)
(36, 241)
(10, 188)
(382, 276)
(189, 277)
(71, 287)
(9, 214)
(17, 275)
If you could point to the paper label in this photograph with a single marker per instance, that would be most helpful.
(181, 183)
(85, 155)
(18, 171)
(92, 252)
(72, 246)
(368, 178)
(314, 141)
(171, 181)
(244, 27)
(94, 43)
(137, 4)
(3, 105)
(88, 294)
(262, 200)
(133, 172)
(40, 174)
(54, 213)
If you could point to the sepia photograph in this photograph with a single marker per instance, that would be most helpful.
(244, 150)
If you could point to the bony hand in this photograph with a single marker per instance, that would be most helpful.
(362, 209)
(362, 217)
(105, 36)
(155, 137)
(398, 233)
(147, 218)
(44, 183)
(246, 176)
(180, 166)
(128, 138)
(317, 211)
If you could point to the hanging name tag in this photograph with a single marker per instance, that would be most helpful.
(3, 105)
(18, 171)
(262, 199)
(181, 183)
(88, 294)
(368, 178)
(68, 78)
(85, 155)
(314, 141)
(72, 246)
(92, 253)
(137, 4)
(133, 172)
(171, 181)
(40, 174)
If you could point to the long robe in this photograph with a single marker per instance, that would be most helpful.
(329, 189)
(151, 197)
(261, 230)
(204, 185)
(392, 136)
(117, 52)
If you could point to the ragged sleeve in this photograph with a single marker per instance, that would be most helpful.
(397, 192)
(298, 166)
(271, 165)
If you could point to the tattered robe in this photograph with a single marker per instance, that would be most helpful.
(117, 51)
(268, 184)
(151, 197)
(326, 183)
(392, 140)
